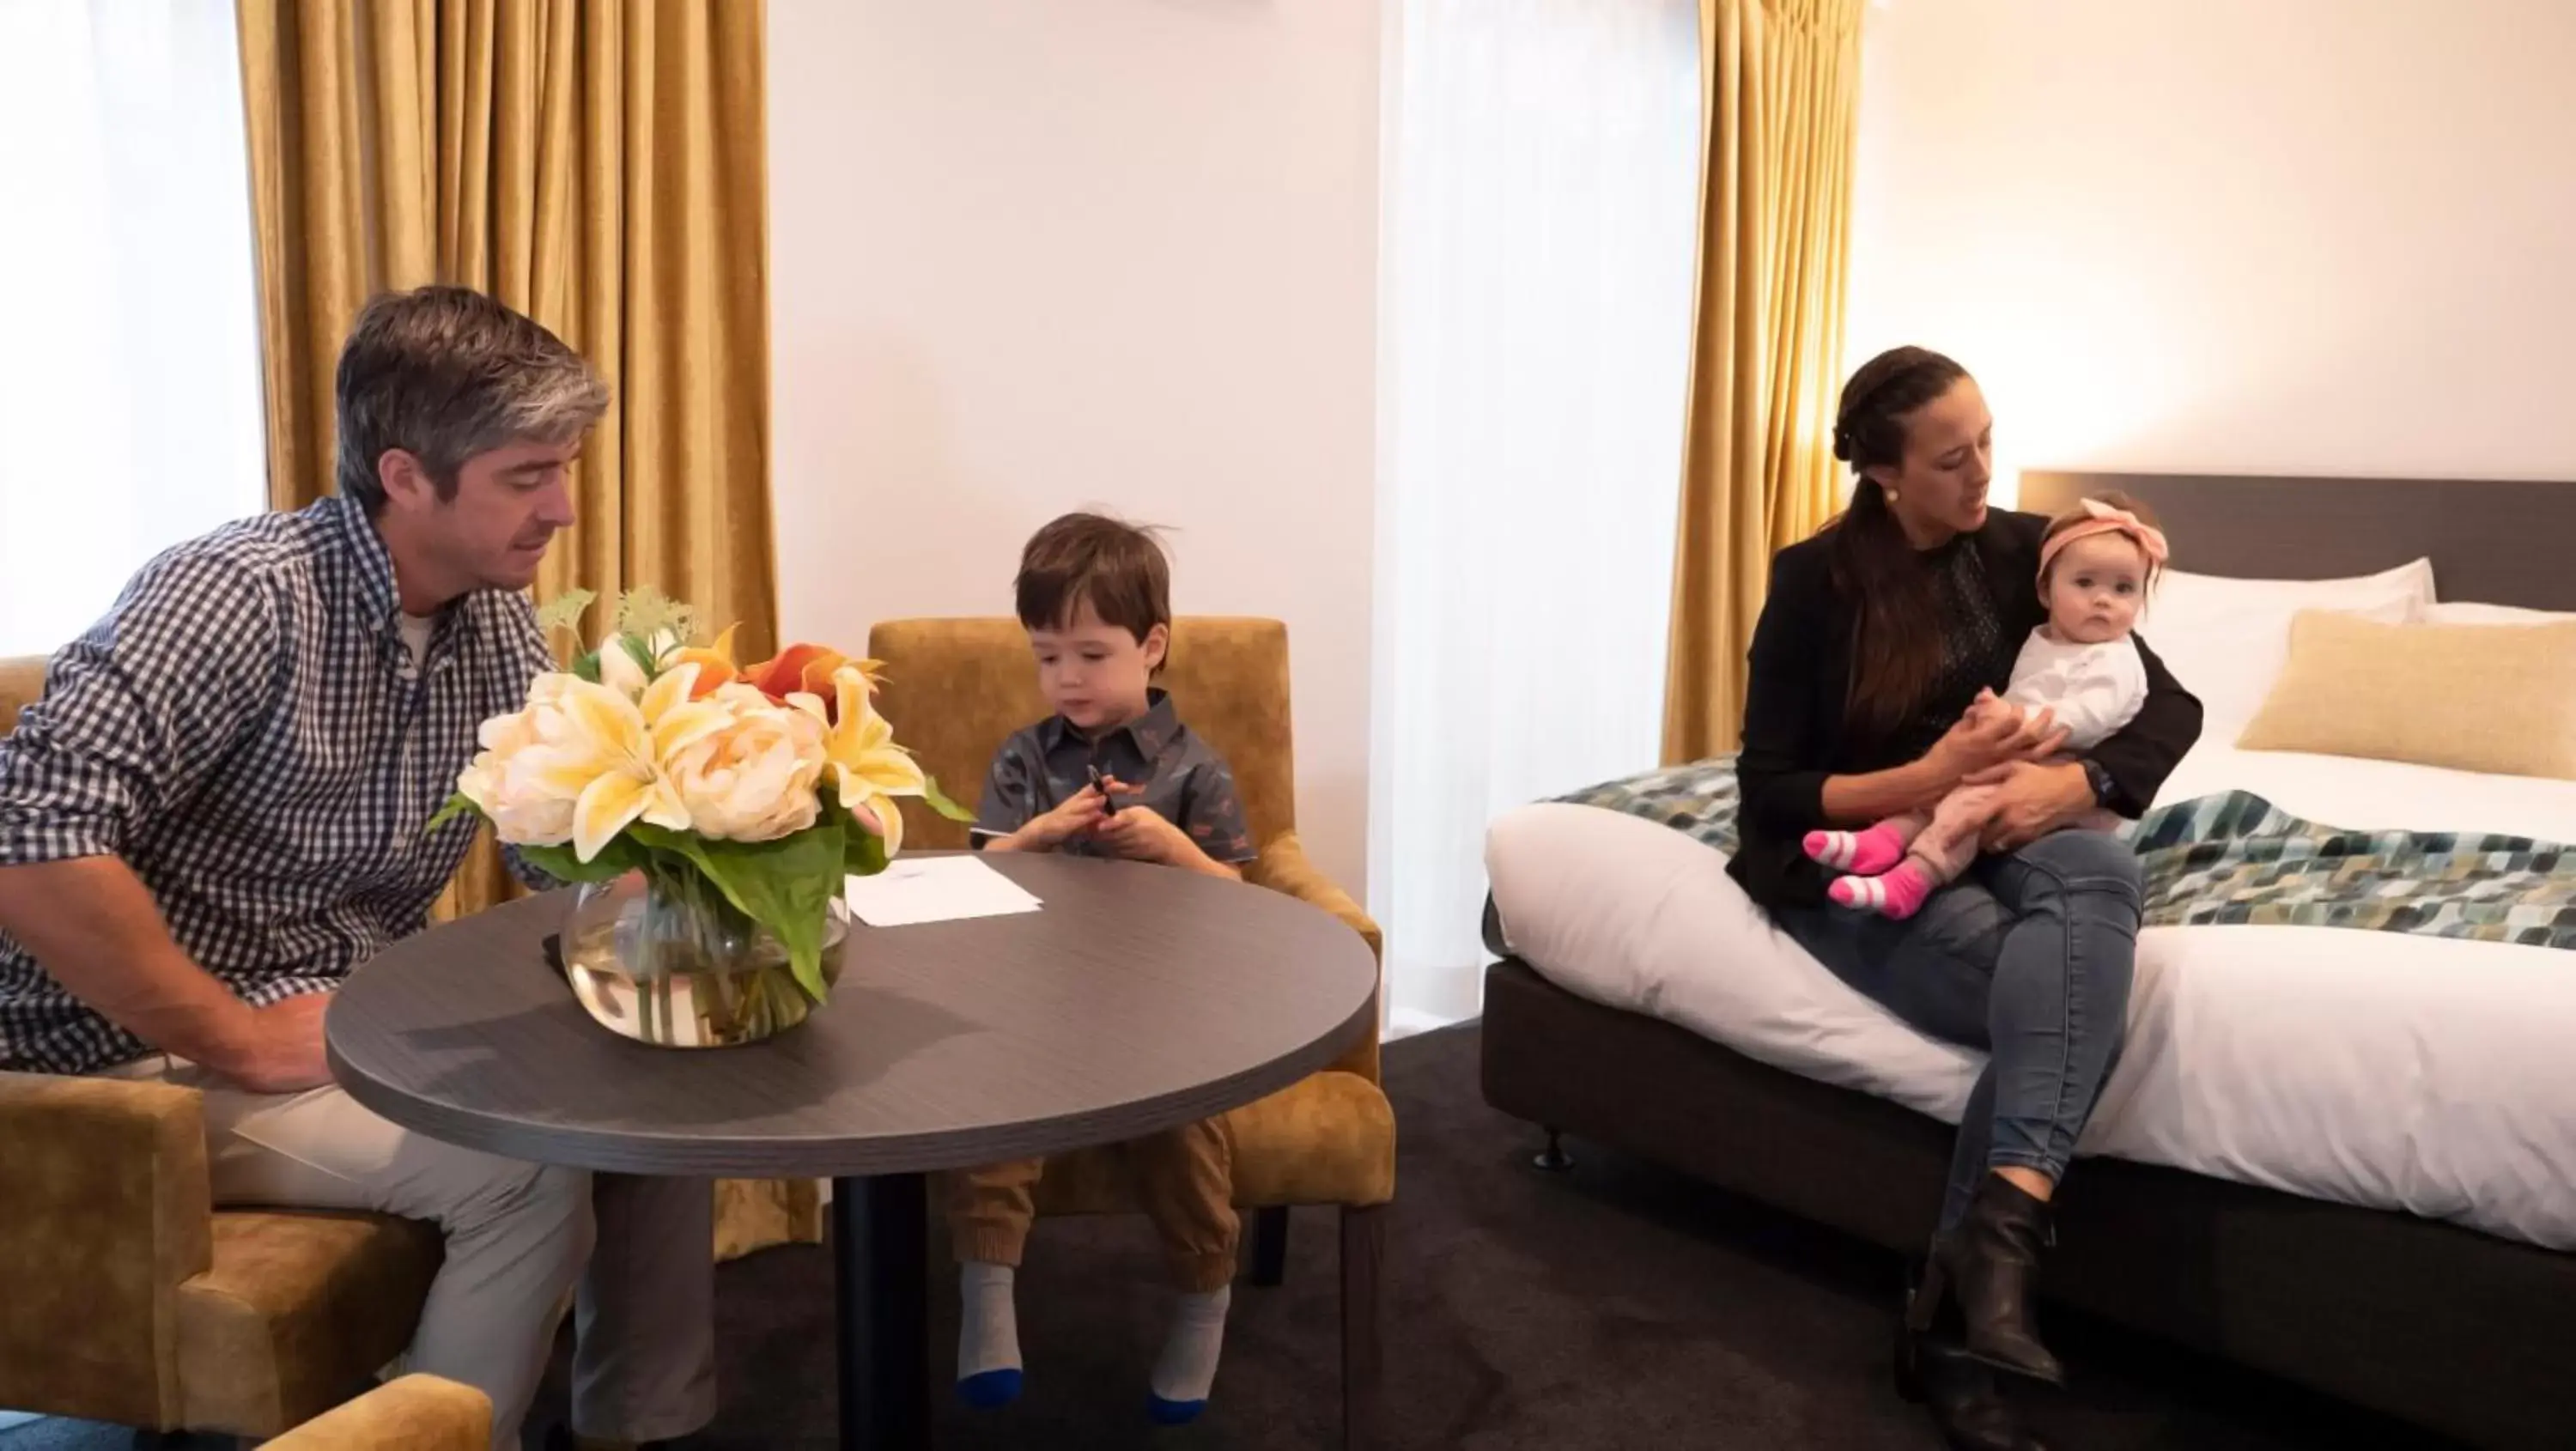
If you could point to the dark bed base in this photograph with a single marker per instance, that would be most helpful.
(2459, 1332)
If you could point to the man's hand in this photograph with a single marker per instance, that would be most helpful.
(100, 934)
(2032, 799)
(280, 1049)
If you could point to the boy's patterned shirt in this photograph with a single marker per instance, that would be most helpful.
(1177, 775)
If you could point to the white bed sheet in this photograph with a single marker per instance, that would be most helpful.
(2428, 1075)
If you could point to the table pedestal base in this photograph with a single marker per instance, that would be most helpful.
(880, 1260)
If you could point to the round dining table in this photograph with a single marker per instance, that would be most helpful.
(1132, 999)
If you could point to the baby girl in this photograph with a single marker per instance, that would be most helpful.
(2095, 565)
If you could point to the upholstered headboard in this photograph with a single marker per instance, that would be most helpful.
(2495, 541)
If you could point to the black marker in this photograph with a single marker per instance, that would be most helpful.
(1108, 803)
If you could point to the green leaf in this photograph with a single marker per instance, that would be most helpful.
(640, 650)
(865, 856)
(587, 667)
(621, 854)
(938, 801)
(457, 805)
(786, 885)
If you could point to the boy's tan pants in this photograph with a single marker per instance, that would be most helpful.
(1183, 1179)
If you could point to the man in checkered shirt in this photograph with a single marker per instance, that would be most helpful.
(216, 812)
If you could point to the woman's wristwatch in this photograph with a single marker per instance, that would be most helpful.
(2098, 776)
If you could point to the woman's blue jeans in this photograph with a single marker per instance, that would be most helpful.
(2028, 956)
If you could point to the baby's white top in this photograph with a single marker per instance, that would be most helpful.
(2094, 689)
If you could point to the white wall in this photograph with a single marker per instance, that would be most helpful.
(1034, 256)
(2267, 236)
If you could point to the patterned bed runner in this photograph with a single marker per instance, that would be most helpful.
(2235, 858)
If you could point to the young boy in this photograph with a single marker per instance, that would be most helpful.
(1112, 773)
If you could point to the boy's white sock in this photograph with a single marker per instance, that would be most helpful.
(988, 1334)
(1186, 1369)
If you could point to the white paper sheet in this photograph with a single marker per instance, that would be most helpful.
(935, 889)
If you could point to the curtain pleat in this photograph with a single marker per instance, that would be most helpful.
(1780, 91)
(600, 165)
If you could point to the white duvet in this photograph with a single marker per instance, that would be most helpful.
(2427, 1075)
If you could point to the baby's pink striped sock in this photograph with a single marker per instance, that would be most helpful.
(1899, 893)
(1866, 853)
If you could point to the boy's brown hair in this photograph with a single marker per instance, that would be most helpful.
(1115, 567)
(2077, 515)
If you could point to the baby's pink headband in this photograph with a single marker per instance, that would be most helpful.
(2106, 519)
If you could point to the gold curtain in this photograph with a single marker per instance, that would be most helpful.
(1779, 102)
(600, 165)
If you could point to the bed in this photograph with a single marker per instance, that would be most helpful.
(2347, 1157)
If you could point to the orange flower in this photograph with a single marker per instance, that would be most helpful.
(784, 674)
(807, 670)
(714, 662)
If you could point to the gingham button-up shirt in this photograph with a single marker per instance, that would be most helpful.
(248, 729)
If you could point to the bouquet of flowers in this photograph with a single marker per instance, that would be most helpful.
(741, 793)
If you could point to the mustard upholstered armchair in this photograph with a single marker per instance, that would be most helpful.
(131, 1300)
(22, 679)
(955, 689)
(410, 1413)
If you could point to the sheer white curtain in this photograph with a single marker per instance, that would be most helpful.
(1541, 199)
(130, 410)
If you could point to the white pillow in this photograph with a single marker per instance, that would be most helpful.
(2464, 612)
(2225, 639)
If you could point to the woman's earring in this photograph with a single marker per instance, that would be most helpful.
(1891, 496)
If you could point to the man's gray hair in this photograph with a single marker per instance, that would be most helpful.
(445, 373)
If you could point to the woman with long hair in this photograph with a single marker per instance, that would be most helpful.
(1877, 636)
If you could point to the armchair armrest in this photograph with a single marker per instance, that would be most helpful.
(1284, 867)
(409, 1413)
(105, 1199)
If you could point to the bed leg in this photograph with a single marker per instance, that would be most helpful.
(1553, 1159)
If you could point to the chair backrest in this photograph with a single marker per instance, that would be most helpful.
(955, 689)
(22, 679)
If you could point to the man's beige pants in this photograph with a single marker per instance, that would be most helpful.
(519, 1239)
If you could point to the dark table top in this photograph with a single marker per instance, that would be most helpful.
(1139, 997)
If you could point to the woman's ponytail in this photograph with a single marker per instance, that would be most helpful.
(1896, 657)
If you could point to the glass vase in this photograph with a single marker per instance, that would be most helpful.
(663, 958)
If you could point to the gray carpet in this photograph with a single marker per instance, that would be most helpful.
(1620, 1307)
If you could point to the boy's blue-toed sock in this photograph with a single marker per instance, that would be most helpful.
(1187, 1367)
(988, 1336)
